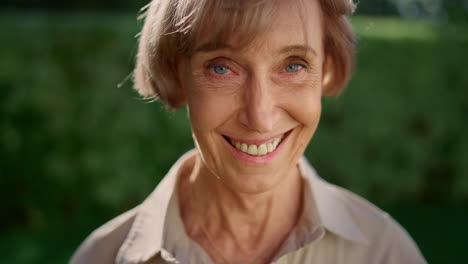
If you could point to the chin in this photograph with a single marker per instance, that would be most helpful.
(253, 183)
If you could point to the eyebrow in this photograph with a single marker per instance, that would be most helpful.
(298, 48)
(212, 46)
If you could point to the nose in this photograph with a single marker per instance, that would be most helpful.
(258, 112)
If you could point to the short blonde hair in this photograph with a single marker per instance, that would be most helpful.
(172, 28)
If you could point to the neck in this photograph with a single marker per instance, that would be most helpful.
(241, 223)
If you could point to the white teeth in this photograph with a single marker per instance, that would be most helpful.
(262, 149)
(270, 147)
(243, 147)
(252, 150)
(276, 143)
(257, 150)
(238, 145)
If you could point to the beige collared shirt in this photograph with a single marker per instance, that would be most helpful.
(336, 226)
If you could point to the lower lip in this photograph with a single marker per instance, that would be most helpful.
(256, 160)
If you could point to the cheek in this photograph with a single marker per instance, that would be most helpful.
(304, 104)
(207, 112)
(204, 107)
(309, 114)
(306, 112)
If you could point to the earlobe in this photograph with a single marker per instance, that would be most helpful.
(327, 75)
(182, 98)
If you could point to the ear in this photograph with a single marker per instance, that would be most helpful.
(328, 74)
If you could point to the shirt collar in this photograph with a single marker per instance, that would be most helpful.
(145, 237)
(158, 221)
(331, 205)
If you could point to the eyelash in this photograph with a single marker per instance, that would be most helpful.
(212, 66)
(297, 61)
(302, 66)
(293, 61)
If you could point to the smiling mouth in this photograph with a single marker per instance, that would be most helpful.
(258, 149)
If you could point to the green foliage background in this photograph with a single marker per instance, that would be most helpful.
(77, 148)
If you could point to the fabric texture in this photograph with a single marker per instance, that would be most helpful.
(335, 226)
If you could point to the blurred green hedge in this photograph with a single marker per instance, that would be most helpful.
(398, 133)
(78, 146)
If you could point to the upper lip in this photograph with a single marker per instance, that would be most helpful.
(257, 141)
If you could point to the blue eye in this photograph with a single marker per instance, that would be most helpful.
(220, 69)
(293, 67)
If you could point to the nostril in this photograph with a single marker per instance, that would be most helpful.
(261, 121)
(257, 118)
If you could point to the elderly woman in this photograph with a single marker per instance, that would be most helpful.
(252, 75)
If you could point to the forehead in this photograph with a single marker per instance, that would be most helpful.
(271, 23)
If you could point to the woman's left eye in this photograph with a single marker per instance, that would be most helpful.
(293, 67)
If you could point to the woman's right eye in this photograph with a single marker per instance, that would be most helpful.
(219, 69)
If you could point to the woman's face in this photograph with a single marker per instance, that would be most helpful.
(253, 110)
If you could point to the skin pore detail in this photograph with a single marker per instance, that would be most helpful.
(241, 205)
